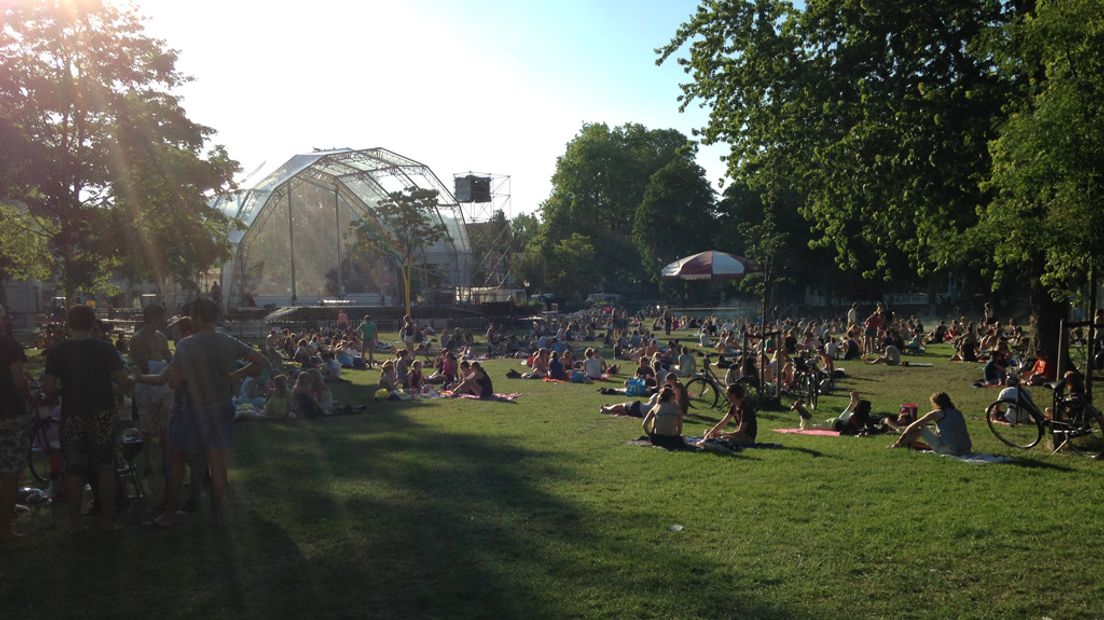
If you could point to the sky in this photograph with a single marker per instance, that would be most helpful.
(496, 87)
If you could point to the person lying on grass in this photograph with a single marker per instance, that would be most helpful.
(854, 419)
(950, 436)
(478, 383)
(746, 424)
(662, 423)
(637, 408)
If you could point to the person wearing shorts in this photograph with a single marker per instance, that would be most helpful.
(369, 333)
(81, 371)
(205, 366)
(15, 440)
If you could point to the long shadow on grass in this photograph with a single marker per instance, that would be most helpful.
(1026, 463)
(383, 516)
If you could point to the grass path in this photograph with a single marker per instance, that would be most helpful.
(539, 509)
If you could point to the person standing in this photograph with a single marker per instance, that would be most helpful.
(15, 395)
(853, 315)
(368, 336)
(149, 350)
(81, 371)
(342, 322)
(205, 366)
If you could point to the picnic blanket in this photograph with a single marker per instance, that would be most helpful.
(810, 431)
(978, 458)
(695, 444)
(502, 398)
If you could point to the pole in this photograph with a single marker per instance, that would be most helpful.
(1091, 346)
(337, 225)
(291, 247)
(406, 286)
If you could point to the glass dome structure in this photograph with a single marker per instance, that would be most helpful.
(294, 246)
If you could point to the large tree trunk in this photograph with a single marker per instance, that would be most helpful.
(1046, 318)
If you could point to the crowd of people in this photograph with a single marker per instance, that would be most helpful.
(185, 398)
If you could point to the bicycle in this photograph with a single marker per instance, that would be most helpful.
(709, 392)
(44, 455)
(1074, 424)
(808, 380)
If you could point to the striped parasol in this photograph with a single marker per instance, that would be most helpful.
(708, 265)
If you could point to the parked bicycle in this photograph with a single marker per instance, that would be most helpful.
(44, 455)
(707, 391)
(1073, 421)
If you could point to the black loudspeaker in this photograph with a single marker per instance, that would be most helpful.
(471, 188)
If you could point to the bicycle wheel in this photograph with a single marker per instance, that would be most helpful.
(1079, 355)
(812, 390)
(1086, 432)
(1014, 426)
(703, 393)
(45, 447)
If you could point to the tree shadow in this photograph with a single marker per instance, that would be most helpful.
(1037, 464)
(380, 515)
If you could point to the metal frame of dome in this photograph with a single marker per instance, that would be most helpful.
(359, 178)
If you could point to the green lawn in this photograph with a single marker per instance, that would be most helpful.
(539, 509)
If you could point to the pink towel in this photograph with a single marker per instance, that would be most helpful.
(811, 431)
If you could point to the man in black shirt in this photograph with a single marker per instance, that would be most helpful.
(15, 394)
(81, 371)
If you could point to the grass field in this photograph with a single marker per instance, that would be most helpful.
(445, 508)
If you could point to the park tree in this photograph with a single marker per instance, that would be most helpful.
(675, 216)
(105, 163)
(881, 116)
(598, 185)
(400, 227)
(1046, 219)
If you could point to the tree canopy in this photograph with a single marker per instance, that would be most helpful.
(400, 227)
(632, 194)
(918, 136)
(99, 152)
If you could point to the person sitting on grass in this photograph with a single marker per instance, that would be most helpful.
(477, 383)
(303, 403)
(321, 391)
(746, 423)
(891, 356)
(1040, 372)
(538, 368)
(662, 423)
(915, 346)
(556, 368)
(415, 381)
(593, 365)
(445, 369)
(950, 437)
(686, 363)
(994, 372)
(854, 418)
(389, 379)
(277, 404)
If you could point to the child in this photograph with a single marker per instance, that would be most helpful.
(277, 404)
(303, 403)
